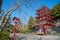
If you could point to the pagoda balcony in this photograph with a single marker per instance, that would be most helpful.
(44, 15)
(45, 19)
(48, 25)
(36, 26)
(37, 13)
(41, 22)
(37, 17)
(49, 20)
(37, 21)
(47, 15)
(43, 12)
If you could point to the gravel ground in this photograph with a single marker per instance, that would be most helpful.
(35, 37)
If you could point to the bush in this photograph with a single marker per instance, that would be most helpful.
(25, 31)
(4, 35)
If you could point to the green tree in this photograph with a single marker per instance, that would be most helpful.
(26, 29)
(0, 8)
(8, 26)
(31, 23)
(55, 11)
(0, 5)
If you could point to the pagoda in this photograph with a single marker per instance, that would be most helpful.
(44, 20)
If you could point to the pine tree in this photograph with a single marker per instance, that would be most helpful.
(31, 23)
(55, 11)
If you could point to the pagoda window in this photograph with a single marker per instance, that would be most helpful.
(40, 18)
(40, 15)
(44, 22)
(43, 13)
(46, 9)
(49, 18)
(43, 10)
(44, 17)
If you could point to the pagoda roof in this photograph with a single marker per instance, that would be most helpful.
(43, 8)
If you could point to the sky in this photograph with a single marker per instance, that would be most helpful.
(25, 12)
